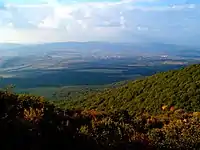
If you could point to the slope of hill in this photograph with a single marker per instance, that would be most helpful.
(176, 89)
(30, 123)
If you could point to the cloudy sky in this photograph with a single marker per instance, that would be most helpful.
(39, 21)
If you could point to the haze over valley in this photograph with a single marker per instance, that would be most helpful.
(56, 65)
(60, 43)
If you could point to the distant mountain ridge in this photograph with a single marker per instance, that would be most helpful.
(137, 48)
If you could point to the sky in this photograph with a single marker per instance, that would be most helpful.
(41, 21)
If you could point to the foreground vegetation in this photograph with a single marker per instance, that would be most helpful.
(29, 122)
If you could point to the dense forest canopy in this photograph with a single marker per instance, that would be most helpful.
(179, 89)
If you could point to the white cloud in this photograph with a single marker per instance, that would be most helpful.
(53, 21)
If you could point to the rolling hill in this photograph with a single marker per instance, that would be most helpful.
(179, 89)
(30, 122)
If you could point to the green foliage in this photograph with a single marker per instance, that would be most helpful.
(180, 89)
(138, 115)
(29, 122)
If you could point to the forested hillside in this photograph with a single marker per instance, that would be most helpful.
(162, 113)
(173, 89)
